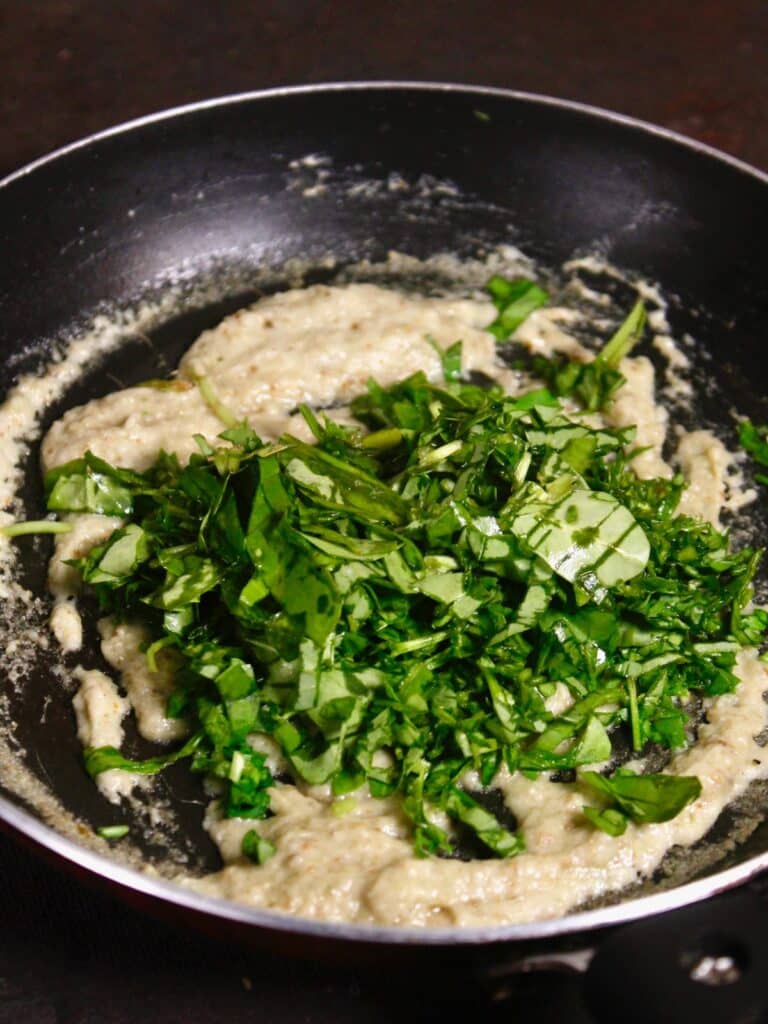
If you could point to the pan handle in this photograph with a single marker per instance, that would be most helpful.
(707, 962)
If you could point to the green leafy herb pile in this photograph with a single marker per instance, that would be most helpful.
(754, 439)
(394, 607)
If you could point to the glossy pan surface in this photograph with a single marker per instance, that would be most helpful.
(212, 201)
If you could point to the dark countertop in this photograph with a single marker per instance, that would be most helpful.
(69, 955)
(71, 67)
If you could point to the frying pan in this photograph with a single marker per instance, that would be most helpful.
(221, 201)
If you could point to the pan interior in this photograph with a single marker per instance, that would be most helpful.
(321, 217)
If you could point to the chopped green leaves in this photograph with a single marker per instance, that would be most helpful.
(450, 359)
(479, 582)
(91, 485)
(585, 536)
(114, 562)
(610, 821)
(515, 300)
(644, 799)
(625, 338)
(256, 848)
(594, 383)
(104, 759)
(463, 808)
(754, 439)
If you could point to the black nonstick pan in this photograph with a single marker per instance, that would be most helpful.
(198, 210)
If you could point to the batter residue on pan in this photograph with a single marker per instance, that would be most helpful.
(349, 856)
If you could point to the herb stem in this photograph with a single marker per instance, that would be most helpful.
(31, 526)
(634, 715)
(214, 403)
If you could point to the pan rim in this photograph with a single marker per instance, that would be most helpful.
(115, 872)
(541, 99)
(46, 837)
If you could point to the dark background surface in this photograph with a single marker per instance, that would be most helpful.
(68, 68)
(71, 67)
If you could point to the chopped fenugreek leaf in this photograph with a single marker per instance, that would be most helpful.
(594, 383)
(754, 439)
(113, 831)
(515, 300)
(257, 848)
(645, 799)
(610, 821)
